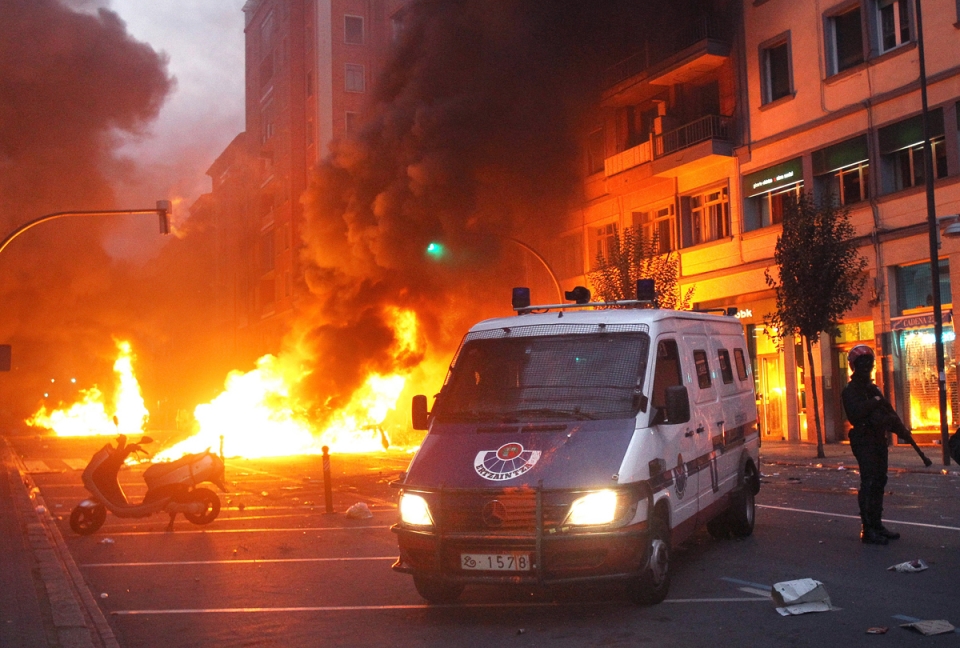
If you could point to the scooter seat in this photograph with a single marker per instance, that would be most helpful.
(158, 470)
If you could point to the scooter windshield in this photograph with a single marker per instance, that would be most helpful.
(558, 377)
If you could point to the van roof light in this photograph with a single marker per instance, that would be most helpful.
(521, 297)
(646, 290)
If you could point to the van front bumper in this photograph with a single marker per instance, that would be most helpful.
(542, 552)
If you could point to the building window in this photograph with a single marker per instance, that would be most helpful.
(351, 122)
(267, 254)
(707, 216)
(266, 32)
(595, 152)
(397, 25)
(658, 225)
(901, 152)
(775, 74)
(844, 40)
(353, 30)
(892, 24)
(604, 241)
(268, 292)
(842, 172)
(267, 125)
(768, 193)
(266, 71)
(354, 80)
(915, 290)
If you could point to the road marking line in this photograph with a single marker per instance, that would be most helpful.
(195, 532)
(245, 561)
(419, 606)
(857, 517)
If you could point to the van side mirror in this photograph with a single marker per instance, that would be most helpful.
(421, 419)
(678, 405)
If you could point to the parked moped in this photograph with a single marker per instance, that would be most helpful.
(171, 487)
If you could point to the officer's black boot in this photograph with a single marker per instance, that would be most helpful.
(887, 533)
(870, 535)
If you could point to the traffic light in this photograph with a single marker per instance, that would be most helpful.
(163, 211)
(436, 250)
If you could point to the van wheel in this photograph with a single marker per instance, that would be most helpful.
(654, 582)
(85, 520)
(435, 590)
(743, 510)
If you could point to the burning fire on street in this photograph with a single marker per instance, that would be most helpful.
(89, 415)
(258, 414)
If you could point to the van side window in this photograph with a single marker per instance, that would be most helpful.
(741, 364)
(703, 368)
(667, 372)
(726, 371)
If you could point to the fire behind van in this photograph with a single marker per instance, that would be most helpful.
(574, 443)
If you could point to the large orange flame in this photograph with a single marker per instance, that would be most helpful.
(89, 416)
(259, 415)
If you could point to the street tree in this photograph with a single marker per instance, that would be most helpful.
(632, 256)
(821, 276)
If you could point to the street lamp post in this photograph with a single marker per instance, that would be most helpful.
(929, 172)
(162, 210)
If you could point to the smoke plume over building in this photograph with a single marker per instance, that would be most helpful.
(474, 140)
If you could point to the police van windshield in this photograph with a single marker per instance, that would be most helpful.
(559, 377)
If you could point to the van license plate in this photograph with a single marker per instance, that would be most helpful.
(496, 562)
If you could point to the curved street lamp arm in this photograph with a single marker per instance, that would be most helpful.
(553, 275)
(162, 209)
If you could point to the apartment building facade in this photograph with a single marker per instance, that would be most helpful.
(703, 136)
(310, 66)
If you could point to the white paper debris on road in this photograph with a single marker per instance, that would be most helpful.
(800, 597)
(359, 511)
(909, 567)
(934, 627)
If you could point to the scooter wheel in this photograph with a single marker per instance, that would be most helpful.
(210, 502)
(85, 520)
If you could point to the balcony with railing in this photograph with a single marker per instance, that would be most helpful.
(701, 130)
(697, 143)
(694, 49)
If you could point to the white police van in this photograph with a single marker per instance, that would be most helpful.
(579, 442)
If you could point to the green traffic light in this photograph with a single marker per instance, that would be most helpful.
(436, 250)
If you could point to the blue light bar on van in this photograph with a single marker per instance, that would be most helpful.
(646, 290)
(521, 297)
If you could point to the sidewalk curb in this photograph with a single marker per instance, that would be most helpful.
(76, 614)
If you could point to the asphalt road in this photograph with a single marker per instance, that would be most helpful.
(276, 570)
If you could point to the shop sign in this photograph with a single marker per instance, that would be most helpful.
(775, 177)
(921, 320)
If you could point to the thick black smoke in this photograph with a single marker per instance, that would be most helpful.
(69, 84)
(474, 139)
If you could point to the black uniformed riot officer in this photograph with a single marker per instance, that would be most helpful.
(872, 418)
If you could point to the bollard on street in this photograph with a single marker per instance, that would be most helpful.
(327, 486)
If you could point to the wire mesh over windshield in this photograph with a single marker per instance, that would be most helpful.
(572, 376)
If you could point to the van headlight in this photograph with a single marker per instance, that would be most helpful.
(415, 511)
(595, 508)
